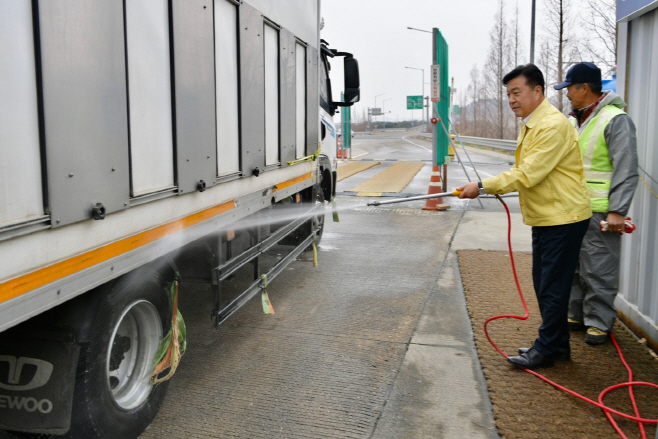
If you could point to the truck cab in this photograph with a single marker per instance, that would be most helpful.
(329, 106)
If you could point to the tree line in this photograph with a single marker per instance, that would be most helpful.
(568, 32)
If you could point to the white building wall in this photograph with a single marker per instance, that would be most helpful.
(638, 85)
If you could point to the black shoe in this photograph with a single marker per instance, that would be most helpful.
(559, 355)
(532, 360)
(575, 325)
(595, 336)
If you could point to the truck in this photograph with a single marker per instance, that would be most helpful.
(142, 141)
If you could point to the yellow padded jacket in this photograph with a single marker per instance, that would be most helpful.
(548, 174)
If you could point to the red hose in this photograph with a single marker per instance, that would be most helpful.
(630, 383)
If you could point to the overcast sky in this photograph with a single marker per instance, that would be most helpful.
(375, 31)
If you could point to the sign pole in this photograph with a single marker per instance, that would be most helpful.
(346, 127)
(434, 112)
(440, 97)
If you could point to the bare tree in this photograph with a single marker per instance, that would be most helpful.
(486, 114)
(496, 66)
(461, 120)
(516, 49)
(546, 63)
(517, 43)
(559, 25)
(600, 40)
(474, 90)
(358, 114)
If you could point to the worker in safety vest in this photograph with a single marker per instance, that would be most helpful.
(608, 145)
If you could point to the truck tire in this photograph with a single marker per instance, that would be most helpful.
(113, 397)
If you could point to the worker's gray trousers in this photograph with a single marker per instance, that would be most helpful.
(596, 281)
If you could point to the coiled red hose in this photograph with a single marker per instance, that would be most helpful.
(630, 383)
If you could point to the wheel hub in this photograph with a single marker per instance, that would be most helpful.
(134, 342)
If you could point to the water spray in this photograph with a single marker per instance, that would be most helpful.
(454, 193)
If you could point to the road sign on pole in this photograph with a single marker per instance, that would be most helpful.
(436, 83)
(414, 102)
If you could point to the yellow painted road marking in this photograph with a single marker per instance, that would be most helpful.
(349, 169)
(393, 179)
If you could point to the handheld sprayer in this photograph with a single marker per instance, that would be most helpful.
(454, 193)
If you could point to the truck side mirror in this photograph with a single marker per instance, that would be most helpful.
(351, 79)
(352, 83)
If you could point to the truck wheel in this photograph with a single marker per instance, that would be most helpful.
(113, 397)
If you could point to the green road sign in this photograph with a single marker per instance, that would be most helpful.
(414, 102)
(440, 96)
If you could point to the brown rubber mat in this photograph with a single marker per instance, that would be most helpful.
(526, 407)
(393, 179)
(348, 169)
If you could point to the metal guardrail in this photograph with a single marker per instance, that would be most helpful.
(507, 145)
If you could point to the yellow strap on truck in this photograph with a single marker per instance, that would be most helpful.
(268, 309)
(308, 158)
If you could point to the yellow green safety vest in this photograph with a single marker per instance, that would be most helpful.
(596, 159)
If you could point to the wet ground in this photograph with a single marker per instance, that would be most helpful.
(367, 344)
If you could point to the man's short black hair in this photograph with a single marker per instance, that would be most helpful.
(532, 74)
(596, 87)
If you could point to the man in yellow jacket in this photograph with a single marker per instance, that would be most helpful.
(548, 175)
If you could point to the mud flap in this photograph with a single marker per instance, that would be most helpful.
(37, 378)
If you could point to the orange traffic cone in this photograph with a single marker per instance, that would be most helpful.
(435, 188)
(339, 148)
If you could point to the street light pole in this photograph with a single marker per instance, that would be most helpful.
(427, 116)
(376, 96)
(419, 30)
(422, 70)
(532, 35)
(384, 105)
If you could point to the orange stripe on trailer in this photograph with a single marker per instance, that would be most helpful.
(292, 182)
(59, 270)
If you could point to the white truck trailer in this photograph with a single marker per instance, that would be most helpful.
(137, 136)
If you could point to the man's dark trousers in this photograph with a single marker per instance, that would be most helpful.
(554, 259)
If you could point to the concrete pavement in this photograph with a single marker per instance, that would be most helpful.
(440, 391)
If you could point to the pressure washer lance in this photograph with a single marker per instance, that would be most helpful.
(454, 193)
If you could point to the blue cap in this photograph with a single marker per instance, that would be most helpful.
(580, 74)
